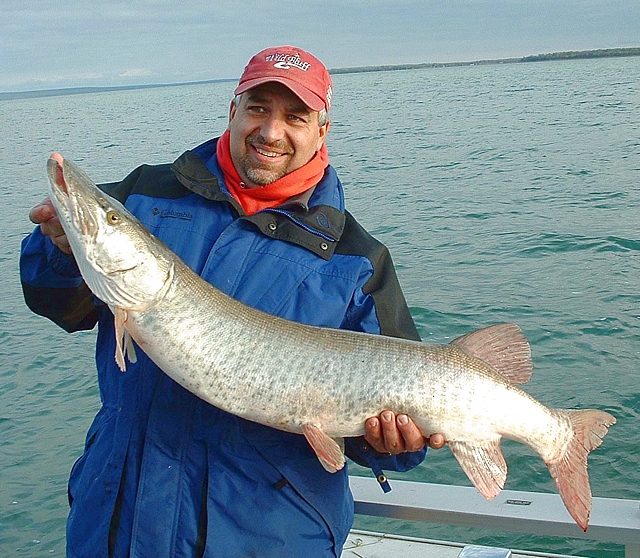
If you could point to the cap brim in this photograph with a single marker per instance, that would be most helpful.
(307, 97)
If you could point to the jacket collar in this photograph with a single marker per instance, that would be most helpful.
(315, 222)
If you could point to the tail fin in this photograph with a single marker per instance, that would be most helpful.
(570, 471)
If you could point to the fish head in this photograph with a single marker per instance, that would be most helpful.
(120, 260)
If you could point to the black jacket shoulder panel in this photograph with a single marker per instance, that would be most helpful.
(391, 306)
(355, 240)
(156, 181)
(70, 309)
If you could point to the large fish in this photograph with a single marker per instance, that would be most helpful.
(322, 383)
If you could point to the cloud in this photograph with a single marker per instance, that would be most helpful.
(147, 41)
(135, 73)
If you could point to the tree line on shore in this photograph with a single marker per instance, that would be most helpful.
(567, 55)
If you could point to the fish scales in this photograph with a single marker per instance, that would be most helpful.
(233, 378)
(322, 383)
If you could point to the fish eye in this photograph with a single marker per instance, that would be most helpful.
(113, 218)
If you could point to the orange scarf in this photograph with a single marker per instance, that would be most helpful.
(295, 183)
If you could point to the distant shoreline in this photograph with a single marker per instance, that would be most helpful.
(566, 55)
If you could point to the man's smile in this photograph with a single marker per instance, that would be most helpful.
(271, 150)
(271, 154)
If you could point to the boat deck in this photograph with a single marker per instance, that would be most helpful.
(365, 544)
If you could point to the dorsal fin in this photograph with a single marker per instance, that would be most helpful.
(503, 347)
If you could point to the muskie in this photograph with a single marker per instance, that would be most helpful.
(321, 382)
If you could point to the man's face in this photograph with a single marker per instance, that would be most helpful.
(272, 133)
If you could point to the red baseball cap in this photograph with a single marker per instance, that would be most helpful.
(293, 67)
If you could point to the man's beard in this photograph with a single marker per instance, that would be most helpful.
(263, 175)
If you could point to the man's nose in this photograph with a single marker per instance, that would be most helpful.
(273, 128)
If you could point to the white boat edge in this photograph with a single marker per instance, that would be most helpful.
(612, 520)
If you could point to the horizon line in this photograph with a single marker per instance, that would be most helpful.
(560, 55)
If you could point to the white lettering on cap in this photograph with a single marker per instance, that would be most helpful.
(286, 62)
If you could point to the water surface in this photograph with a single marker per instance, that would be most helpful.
(505, 193)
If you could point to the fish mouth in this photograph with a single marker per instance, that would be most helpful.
(70, 199)
(55, 168)
(76, 204)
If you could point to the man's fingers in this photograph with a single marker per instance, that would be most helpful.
(436, 441)
(373, 434)
(413, 438)
(42, 212)
(382, 433)
(53, 229)
(62, 243)
(393, 440)
(387, 433)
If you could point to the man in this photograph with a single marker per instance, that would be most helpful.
(259, 213)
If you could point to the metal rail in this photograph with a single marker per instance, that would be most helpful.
(612, 520)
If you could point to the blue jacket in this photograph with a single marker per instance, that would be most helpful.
(166, 474)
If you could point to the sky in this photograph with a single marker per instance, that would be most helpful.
(86, 43)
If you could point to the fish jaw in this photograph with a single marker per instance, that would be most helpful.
(70, 203)
(113, 250)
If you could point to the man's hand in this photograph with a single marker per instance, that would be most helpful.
(388, 433)
(44, 214)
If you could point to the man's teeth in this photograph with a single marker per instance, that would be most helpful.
(267, 153)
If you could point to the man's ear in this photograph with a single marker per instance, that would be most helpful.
(232, 110)
(322, 135)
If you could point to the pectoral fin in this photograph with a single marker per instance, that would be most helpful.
(483, 463)
(329, 452)
(130, 349)
(124, 343)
